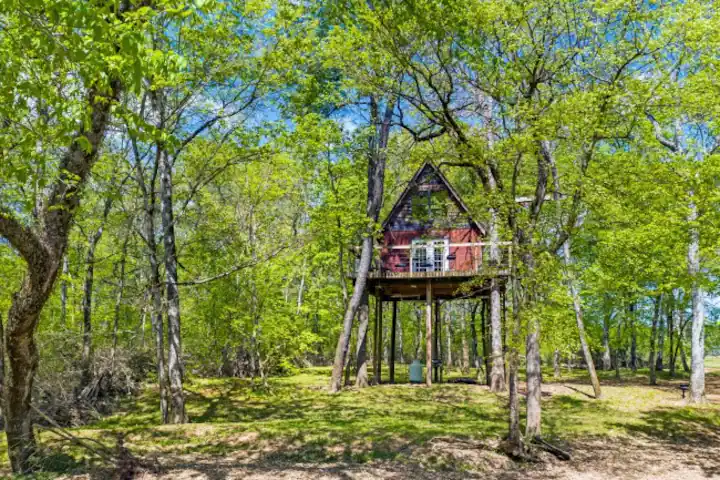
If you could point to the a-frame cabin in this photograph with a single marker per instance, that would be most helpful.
(431, 249)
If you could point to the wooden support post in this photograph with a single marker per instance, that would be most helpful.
(374, 344)
(485, 338)
(428, 333)
(392, 342)
(438, 343)
(379, 342)
(505, 334)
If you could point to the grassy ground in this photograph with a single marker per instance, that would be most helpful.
(240, 429)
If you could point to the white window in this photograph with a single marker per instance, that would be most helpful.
(430, 255)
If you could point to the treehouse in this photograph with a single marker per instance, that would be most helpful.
(432, 249)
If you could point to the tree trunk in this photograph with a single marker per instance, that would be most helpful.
(514, 438)
(419, 336)
(64, 291)
(86, 358)
(606, 359)
(376, 178)
(361, 380)
(448, 337)
(556, 364)
(534, 379)
(93, 242)
(659, 366)
(577, 306)
(618, 341)
(653, 337)
(118, 302)
(672, 323)
(400, 347)
(148, 190)
(633, 338)
(43, 248)
(428, 334)
(476, 361)
(465, 365)
(175, 360)
(697, 328)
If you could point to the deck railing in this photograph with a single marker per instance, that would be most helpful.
(458, 260)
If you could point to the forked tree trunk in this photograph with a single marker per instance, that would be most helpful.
(361, 380)
(43, 248)
(697, 328)
(376, 179)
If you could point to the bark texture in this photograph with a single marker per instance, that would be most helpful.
(376, 178)
(697, 328)
(43, 247)
(361, 380)
(175, 360)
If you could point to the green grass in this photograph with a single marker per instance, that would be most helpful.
(294, 419)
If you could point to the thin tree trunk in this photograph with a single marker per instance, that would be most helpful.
(419, 336)
(64, 291)
(653, 337)
(534, 379)
(428, 334)
(465, 365)
(474, 338)
(93, 241)
(556, 364)
(86, 357)
(363, 320)
(376, 178)
(577, 306)
(606, 359)
(618, 341)
(175, 360)
(514, 438)
(672, 323)
(400, 348)
(697, 328)
(659, 365)
(118, 303)
(633, 338)
(448, 337)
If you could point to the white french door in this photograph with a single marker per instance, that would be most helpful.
(430, 255)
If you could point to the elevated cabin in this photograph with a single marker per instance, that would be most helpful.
(431, 249)
(430, 234)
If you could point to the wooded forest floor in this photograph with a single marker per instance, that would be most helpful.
(293, 429)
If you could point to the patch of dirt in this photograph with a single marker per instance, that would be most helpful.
(452, 458)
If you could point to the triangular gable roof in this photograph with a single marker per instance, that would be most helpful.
(414, 182)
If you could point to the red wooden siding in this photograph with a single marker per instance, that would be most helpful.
(398, 260)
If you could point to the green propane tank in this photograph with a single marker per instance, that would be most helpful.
(416, 372)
